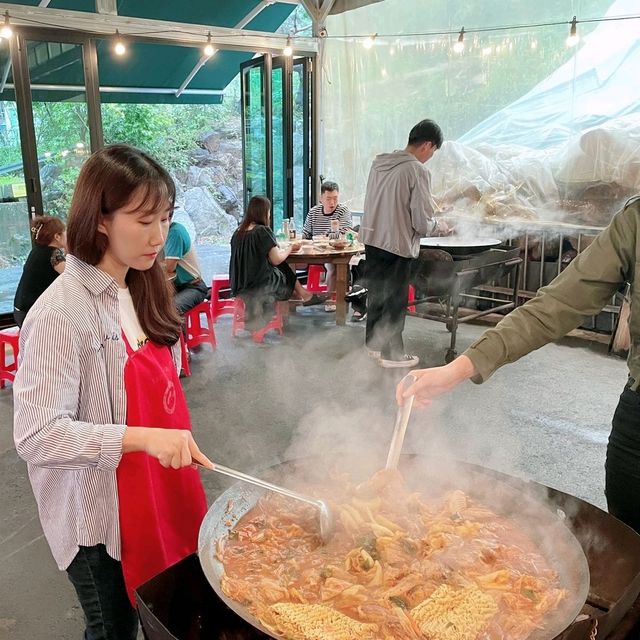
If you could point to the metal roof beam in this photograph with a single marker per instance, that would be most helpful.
(179, 33)
(107, 7)
(312, 7)
(263, 4)
(160, 90)
(324, 11)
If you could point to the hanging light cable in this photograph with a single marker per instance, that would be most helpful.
(573, 38)
(288, 49)
(6, 31)
(208, 48)
(119, 47)
(458, 47)
(367, 43)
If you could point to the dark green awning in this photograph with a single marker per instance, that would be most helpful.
(149, 66)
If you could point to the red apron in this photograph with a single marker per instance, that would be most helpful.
(160, 509)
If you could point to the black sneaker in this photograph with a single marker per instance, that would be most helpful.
(404, 361)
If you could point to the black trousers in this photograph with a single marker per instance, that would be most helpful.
(99, 584)
(623, 461)
(387, 279)
(190, 295)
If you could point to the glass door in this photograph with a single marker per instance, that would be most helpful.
(301, 132)
(49, 124)
(60, 119)
(279, 143)
(256, 173)
(276, 135)
(15, 241)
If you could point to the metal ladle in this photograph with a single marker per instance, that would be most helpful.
(400, 428)
(326, 517)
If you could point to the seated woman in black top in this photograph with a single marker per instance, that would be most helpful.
(43, 265)
(257, 269)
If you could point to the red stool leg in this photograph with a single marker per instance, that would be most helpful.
(412, 296)
(9, 338)
(197, 332)
(186, 369)
(220, 306)
(313, 278)
(238, 316)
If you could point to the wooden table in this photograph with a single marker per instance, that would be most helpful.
(341, 259)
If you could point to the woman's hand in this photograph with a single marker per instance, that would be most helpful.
(174, 448)
(435, 381)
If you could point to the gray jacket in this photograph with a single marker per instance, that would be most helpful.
(398, 209)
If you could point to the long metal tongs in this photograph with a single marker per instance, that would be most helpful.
(400, 428)
(325, 515)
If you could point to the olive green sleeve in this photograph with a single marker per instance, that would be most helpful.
(582, 290)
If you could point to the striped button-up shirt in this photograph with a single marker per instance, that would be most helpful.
(70, 409)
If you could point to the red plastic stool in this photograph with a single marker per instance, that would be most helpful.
(220, 306)
(313, 278)
(197, 332)
(8, 338)
(186, 369)
(277, 322)
(412, 297)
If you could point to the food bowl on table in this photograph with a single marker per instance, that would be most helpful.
(339, 244)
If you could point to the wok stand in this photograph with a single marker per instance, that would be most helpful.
(452, 281)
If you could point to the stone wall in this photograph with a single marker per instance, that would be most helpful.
(15, 243)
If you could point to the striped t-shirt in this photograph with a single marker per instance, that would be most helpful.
(319, 224)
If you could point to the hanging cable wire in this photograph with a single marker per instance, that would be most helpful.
(208, 48)
(573, 38)
(6, 31)
(458, 47)
(119, 47)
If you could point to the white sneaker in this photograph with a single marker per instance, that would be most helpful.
(405, 361)
(374, 354)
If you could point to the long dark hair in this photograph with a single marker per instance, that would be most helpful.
(257, 213)
(107, 182)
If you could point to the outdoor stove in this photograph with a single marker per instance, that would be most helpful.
(447, 276)
(179, 604)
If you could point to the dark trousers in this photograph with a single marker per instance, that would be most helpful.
(387, 279)
(623, 461)
(99, 584)
(189, 295)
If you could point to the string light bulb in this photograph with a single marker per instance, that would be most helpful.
(367, 43)
(6, 31)
(458, 47)
(119, 47)
(573, 38)
(208, 48)
(288, 49)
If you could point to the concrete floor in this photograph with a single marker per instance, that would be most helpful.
(315, 392)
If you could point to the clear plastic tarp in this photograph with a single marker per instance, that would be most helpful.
(535, 130)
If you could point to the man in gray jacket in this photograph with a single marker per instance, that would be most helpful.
(398, 211)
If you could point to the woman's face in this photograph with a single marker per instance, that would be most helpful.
(136, 233)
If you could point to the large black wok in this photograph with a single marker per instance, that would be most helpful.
(459, 245)
(428, 476)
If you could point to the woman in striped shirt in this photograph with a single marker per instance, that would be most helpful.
(100, 417)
